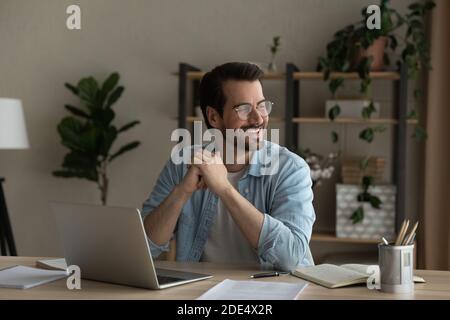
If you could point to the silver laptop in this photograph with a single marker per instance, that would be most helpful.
(109, 244)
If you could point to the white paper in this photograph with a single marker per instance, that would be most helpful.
(20, 277)
(253, 290)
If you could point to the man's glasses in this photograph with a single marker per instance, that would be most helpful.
(243, 110)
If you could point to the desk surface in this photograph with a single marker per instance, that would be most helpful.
(437, 286)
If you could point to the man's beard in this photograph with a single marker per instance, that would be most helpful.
(250, 144)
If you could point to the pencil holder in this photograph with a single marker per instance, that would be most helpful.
(396, 268)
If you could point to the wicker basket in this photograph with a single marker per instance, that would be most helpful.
(352, 173)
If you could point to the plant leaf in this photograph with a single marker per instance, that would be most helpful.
(115, 95)
(358, 215)
(364, 163)
(88, 89)
(375, 202)
(129, 126)
(367, 135)
(334, 112)
(420, 133)
(71, 88)
(76, 111)
(124, 149)
(69, 130)
(334, 137)
(108, 85)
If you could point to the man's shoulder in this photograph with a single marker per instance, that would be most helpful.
(286, 157)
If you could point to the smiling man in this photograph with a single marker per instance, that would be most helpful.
(234, 212)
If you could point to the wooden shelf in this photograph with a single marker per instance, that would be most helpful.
(330, 237)
(387, 75)
(346, 75)
(350, 121)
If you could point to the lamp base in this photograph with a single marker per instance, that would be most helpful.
(6, 236)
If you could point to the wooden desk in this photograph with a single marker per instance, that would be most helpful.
(437, 286)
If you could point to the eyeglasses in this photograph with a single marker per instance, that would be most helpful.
(243, 110)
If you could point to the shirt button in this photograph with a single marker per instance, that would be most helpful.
(246, 190)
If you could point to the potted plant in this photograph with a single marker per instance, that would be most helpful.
(274, 48)
(89, 133)
(357, 48)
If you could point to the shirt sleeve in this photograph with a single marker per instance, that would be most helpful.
(167, 180)
(286, 231)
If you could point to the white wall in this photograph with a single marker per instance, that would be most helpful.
(144, 41)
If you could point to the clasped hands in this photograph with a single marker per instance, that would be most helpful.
(206, 171)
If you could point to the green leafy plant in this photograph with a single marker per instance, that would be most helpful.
(89, 133)
(410, 48)
(274, 48)
(404, 36)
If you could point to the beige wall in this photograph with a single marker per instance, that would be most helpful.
(145, 41)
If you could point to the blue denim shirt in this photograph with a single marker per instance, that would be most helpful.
(284, 198)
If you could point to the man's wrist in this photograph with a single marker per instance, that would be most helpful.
(182, 193)
(225, 191)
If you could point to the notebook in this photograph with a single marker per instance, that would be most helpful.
(21, 277)
(52, 264)
(332, 276)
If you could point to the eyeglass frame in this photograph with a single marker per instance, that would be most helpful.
(246, 103)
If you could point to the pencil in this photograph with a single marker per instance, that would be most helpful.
(409, 238)
(402, 233)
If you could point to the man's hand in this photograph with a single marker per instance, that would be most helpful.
(192, 181)
(212, 171)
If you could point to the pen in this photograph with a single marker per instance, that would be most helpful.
(267, 274)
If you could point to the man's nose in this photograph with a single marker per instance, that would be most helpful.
(255, 117)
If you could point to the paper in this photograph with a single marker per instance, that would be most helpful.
(20, 277)
(253, 290)
(52, 264)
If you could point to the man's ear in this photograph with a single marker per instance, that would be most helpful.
(214, 118)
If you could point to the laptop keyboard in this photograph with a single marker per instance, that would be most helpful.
(165, 279)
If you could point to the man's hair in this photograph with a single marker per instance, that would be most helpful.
(211, 86)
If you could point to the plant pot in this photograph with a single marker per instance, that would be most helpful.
(376, 50)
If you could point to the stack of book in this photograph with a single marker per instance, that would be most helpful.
(352, 173)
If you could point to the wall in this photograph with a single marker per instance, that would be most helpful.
(145, 41)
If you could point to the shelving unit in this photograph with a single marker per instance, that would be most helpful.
(292, 120)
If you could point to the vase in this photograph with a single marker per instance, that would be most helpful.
(376, 50)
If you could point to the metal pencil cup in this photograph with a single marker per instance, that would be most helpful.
(396, 268)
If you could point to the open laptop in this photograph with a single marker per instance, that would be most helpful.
(109, 244)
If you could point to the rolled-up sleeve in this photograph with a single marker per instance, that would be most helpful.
(167, 180)
(286, 231)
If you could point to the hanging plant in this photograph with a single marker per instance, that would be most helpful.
(356, 48)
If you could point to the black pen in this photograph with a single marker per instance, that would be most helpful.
(268, 274)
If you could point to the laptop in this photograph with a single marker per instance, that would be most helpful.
(109, 244)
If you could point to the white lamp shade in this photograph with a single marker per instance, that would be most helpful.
(13, 132)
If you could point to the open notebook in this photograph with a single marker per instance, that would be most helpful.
(23, 277)
(332, 276)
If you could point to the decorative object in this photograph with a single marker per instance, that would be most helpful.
(274, 48)
(357, 48)
(354, 48)
(352, 173)
(377, 223)
(321, 167)
(352, 108)
(13, 136)
(89, 134)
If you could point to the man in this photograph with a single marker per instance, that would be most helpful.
(233, 212)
